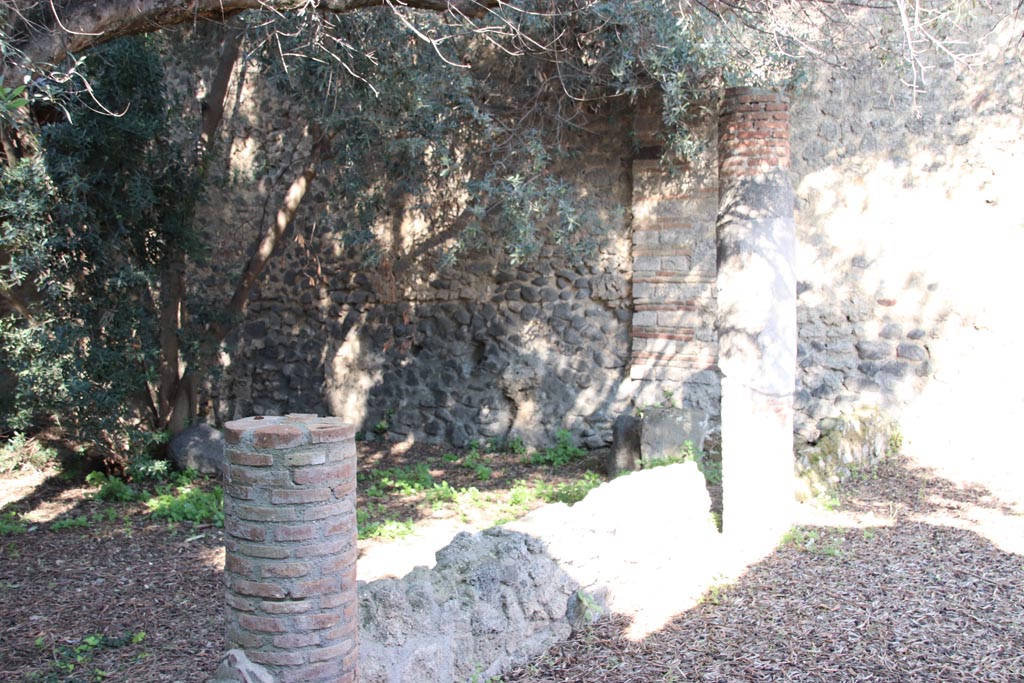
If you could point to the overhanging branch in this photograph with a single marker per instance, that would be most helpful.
(78, 26)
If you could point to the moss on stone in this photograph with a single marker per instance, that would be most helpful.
(851, 444)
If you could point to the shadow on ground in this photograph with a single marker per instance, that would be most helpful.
(900, 582)
(909, 577)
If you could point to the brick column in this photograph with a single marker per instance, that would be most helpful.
(757, 329)
(290, 571)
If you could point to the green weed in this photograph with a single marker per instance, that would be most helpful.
(516, 446)
(107, 514)
(189, 504)
(79, 522)
(520, 497)
(112, 489)
(895, 445)
(146, 469)
(474, 460)
(813, 541)
(71, 663)
(562, 453)
(11, 523)
(829, 501)
(384, 424)
(441, 493)
(569, 492)
(404, 481)
(714, 594)
(521, 494)
(471, 496)
(718, 590)
(709, 466)
(386, 529)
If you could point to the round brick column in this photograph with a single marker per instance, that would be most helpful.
(290, 570)
(757, 328)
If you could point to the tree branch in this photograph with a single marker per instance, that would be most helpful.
(213, 104)
(79, 26)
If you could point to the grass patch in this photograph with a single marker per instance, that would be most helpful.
(189, 504)
(85, 521)
(814, 541)
(385, 529)
(177, 498)
(474, 460)
(404, 481)
(570, 492)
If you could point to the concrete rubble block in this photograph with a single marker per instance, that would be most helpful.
(494, 599)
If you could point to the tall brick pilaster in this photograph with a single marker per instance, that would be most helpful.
(674, 206)
(290, 569)
(757, 331)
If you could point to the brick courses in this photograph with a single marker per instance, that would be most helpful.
(291, 547)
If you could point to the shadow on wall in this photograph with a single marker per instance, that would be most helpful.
(501, 353)
(479, 351)
(905, 225)
(908, 228)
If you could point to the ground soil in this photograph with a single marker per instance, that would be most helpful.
(133, 574)
(902, 576)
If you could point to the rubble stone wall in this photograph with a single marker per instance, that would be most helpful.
(898, 196)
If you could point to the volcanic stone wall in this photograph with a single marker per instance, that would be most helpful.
(886, 181)
(484, 350)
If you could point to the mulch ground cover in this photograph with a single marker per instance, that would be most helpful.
(130, 598)
(911, 589)
(914, 592)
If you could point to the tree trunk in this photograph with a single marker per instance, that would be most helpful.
(172, 295)
(177, 406)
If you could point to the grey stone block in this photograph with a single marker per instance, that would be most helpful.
(912, 352)
(666, 431)
(235, 666)
(199, 447)
(870, 350)
(624, 455)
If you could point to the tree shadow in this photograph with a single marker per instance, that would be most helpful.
(904, 585)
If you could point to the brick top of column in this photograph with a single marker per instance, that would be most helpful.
(287, 431)
(753, 132)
